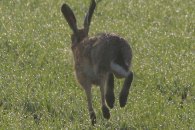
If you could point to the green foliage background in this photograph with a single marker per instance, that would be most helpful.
(38, 89)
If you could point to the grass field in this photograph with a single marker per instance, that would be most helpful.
(38, 89)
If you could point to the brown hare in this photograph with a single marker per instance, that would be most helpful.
(97, 60)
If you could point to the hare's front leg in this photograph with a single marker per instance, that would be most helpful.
(110, 99)
(89, 101)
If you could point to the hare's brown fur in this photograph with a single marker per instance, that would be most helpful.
(97, 60)
(93, 56)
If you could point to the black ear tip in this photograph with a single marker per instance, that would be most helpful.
(64, 7)
(93, 1)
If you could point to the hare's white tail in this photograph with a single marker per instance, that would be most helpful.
(120, 65)
(119, 71)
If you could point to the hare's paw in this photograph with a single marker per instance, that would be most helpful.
(106, 112)
(93, 118)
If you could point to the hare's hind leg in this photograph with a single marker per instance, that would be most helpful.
(105, 110)
(90, 107)
(119, 71)
(110, 99)
(125, 90)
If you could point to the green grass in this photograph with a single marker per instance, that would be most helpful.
(38, 89)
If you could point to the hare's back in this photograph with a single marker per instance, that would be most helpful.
(109, 41)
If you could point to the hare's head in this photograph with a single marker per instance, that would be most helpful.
(78, 34)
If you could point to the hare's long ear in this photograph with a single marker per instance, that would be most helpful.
(89, 15)
(70, 17)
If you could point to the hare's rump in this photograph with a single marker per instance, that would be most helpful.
(110, 48)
